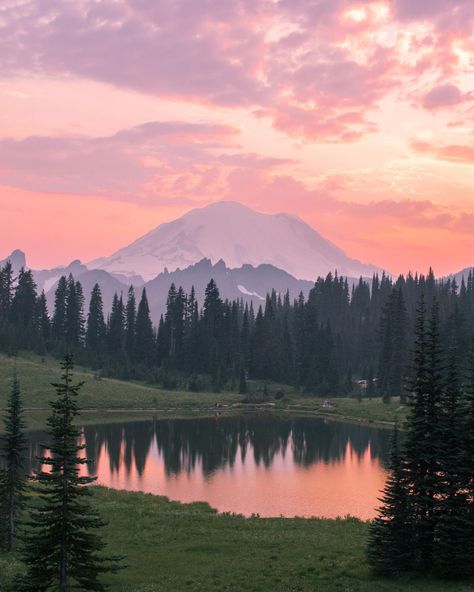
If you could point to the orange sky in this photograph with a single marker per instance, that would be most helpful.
(357, 116)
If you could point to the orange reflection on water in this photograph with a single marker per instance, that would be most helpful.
(349, 485)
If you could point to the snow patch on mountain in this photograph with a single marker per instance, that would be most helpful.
(244, 290)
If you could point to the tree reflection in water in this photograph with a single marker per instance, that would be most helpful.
(163, 456)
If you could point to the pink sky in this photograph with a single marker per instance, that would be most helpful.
(116, 115)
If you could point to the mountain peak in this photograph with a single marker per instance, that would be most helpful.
(237, 234)
(17, 258)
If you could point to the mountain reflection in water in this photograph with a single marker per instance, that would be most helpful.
(247, 464)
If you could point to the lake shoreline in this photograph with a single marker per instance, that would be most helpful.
(183, 413)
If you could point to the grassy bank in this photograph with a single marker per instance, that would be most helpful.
(172, 547)
(36, 375)
(113, 399)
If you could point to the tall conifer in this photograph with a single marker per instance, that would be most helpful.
(62, 551)
(144, 343)
(389, 549)
(12, 478)
(453, 533)
(96, 329)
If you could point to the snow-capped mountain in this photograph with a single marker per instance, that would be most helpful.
(238, 235)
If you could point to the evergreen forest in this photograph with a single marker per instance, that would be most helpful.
(340, 341)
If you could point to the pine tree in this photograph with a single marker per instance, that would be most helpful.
(144, 342)
(116, 332)
(43, 324)
(389, 547)
(130, 322)
(58, 325)
(96, 329)
(62, 551)
(12, 478)
(23, 311)
(6, 296)
(392, 345)
(423, 436)
(454, 534)
(212, 329)
(74, 318)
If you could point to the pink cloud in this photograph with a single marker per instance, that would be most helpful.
(174, 48)
(443, 95)
(121, 165)
(310, 79)
(446, 15)
(152, 163)
(454, 153)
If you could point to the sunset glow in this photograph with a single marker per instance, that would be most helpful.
(116, 116)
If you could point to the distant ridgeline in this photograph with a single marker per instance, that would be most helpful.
(338, 341)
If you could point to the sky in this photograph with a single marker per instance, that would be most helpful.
(117, 115)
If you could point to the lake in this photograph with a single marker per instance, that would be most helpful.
(251, 464)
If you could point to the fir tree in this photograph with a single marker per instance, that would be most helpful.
(43, 324)
(389, 547)
(144, 342)
(242, 382)
(58, 325)
(62, 551)
(74, 321)
(212, 329)
(6, 296)
(12, 479)
(422, 468)
(96, 329)
(393, 343)
(454, 535)
(116, 331)
(130, 322)
(6, 290)
(23, 311)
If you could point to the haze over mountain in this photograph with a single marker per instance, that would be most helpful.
(238, 235)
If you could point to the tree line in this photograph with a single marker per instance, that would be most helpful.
(330, 343)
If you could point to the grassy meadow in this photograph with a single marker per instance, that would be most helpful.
(173, 547)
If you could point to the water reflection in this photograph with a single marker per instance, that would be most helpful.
(250, 464)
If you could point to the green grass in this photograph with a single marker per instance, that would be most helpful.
(36, 375)
(108, 399)
(173, 547)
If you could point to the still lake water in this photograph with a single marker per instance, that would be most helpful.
(259, 464)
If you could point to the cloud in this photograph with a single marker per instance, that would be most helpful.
(317, 68)
(447, 16)
(149, 163)
(452, 152)
(170, 48)
(443, 95)
(117, 165)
